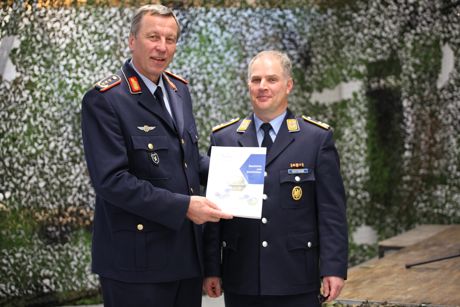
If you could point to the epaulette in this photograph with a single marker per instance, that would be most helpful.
(107, 83)
(176, 77)
(315, 122)
(230, 122)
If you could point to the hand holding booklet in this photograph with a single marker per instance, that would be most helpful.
(236, 180)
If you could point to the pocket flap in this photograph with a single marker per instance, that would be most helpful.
(302, 241)
(151, 143)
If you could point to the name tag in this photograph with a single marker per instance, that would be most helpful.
(298, 171)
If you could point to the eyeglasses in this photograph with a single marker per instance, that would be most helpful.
(322, 298)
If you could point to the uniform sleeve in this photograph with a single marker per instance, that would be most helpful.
(107, 160)
(332, 223)
(211, 239)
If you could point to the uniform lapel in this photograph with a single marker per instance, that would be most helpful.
(175, 102)
(283, 139)
(143, 95)
(248, 138)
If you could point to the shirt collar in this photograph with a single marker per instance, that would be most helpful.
(150, 85)
(276, 122)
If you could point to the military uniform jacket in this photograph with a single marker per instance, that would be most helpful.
(303, 231)
(143, 170)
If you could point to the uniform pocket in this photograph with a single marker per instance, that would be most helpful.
(303, 249)
(139, 245)
(297, 189)
(149, 159)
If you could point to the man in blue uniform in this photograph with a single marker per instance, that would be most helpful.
(140, 142)
(301, 238)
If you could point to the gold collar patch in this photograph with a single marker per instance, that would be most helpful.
(244, 125)
(292, 125)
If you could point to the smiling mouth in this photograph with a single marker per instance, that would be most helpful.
(158, 59)
(263, 97)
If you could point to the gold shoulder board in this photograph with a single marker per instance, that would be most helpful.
(218, 127)
(176, 77)
(315, 122)
(107, 83)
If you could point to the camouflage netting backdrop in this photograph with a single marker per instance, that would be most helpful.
(397, 132)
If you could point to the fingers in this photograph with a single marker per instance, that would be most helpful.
(332, 286)
(202, 210)
(211, 286)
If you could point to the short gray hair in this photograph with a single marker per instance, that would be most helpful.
(152, 9)
(286, 63)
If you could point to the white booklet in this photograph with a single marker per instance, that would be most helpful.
(236, 180)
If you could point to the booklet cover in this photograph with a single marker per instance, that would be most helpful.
(236, 180)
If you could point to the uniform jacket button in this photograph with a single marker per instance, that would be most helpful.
(309, 244)
(264, 197)
(140, 227)
(224, 244)
(264, 220)
(264, 243)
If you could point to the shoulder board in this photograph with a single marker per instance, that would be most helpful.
(218, 127)
(315, 122)
(176, 77)
(107, 83)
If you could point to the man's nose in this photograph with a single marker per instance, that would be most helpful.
(263, 84)
(161, 45)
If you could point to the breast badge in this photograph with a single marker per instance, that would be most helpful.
(155, 158)
(296, 193)
(146, 128)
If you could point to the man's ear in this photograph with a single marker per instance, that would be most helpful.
(290, 85)
(131, 39)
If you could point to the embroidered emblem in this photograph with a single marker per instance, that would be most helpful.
(146, 128)
(155, 158)
(292, 125)
(134, 85)
(244, 125)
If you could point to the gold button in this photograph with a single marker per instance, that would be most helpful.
(150, 146)
(183, 141)
(140, 227)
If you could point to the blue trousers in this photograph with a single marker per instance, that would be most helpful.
(298, 300)
(181, 293)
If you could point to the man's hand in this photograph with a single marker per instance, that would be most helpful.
(212, 287)
(202, 210)
(332, 285)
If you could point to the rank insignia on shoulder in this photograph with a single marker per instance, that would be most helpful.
(220, 126)
(315, 122)
(244, 125)
(292, 125)
(107, 83)
(176, 77)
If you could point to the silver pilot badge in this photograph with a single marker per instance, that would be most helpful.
(155, 158)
